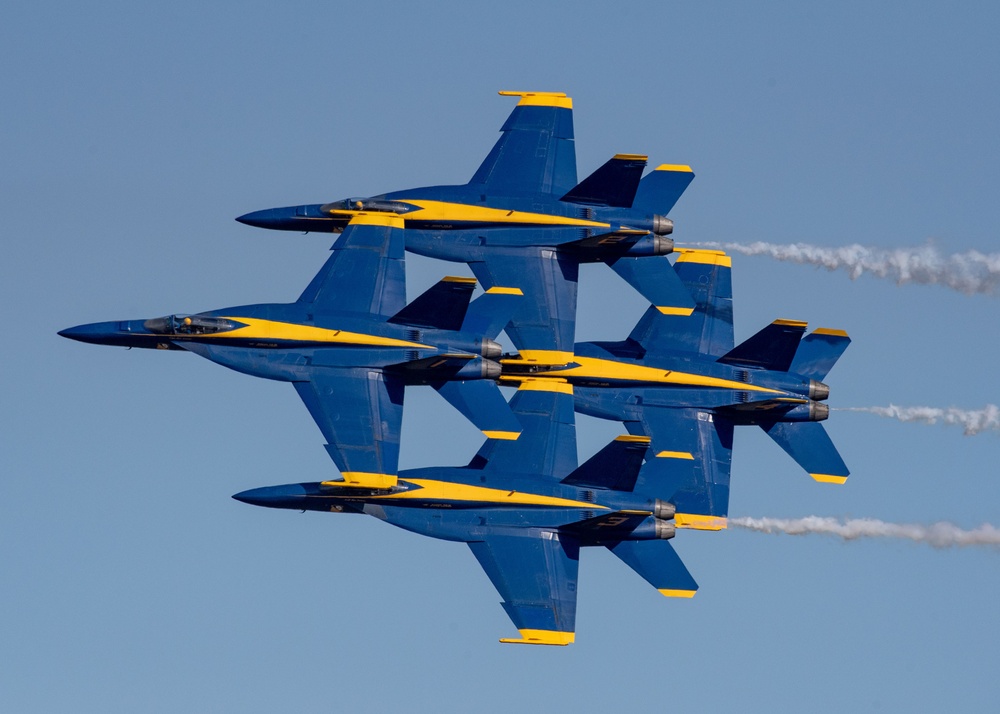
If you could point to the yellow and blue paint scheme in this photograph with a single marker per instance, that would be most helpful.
(526, 510)
(524, 220)
(350, 345)
(679, 379)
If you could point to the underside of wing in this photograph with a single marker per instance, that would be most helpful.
(360, 412)
(535, 571)
(365, 273)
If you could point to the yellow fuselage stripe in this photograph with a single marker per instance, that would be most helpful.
(443, 211)
(290, 332)
(591, 369)
(432, 490)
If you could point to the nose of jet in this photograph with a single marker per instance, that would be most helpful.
(287, 496)
(97, 333)
(290, 218)
(273, 218)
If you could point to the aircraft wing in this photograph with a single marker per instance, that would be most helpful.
(535, 153)
(365, 273)
(708, 329)
(546, 316)
(690, 460)
(536, 573)
(360, 413)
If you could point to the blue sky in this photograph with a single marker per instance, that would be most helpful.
(133, 135)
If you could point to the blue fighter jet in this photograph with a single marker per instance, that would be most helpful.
(523, 220)
(680, 380)
(350, 345)
(525, 510)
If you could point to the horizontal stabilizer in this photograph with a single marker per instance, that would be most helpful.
(481, 402)
(655, 279)
(658, 564)
(772, 348)
(613, 184)
(490, 312)
(615, 467)
(659, 191)
(819, 351)
(811, 447)
(442, 307)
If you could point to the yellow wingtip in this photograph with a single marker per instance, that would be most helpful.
(829, 478)
(541, 637)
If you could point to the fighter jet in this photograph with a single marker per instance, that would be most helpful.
(525, 510)
(350, 344)
(523, 220)
(680, 380)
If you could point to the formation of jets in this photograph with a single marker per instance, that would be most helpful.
(350, 345)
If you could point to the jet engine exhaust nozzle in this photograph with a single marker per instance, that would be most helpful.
(490, 349)
(818, 390)
(818, 411)
(664, 530)
(662, 226)
(663, 510)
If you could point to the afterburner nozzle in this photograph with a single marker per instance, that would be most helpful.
(490, 349)
(664, 510)
(662, 226)
(818, 390)
(491, 369)
(818, 411)
(665, 530)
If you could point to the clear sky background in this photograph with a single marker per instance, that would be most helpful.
(132, 134)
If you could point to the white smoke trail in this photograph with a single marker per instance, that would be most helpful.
(939, 535)
(972, 421)
(970, 272)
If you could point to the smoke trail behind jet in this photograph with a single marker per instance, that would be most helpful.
(971, 272)
(938, 535)
(972, 421)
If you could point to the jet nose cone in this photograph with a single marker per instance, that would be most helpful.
(96, 333)
(268, 218)
(306, 218)
(290, 496)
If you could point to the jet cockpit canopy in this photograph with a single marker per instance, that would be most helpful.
(188, 325)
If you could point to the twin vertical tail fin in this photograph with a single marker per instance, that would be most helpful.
(615, 467)
(818, 352)
(613, 184)
(442, 307)
(491, 311)
(660, 190)
(772, 348)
